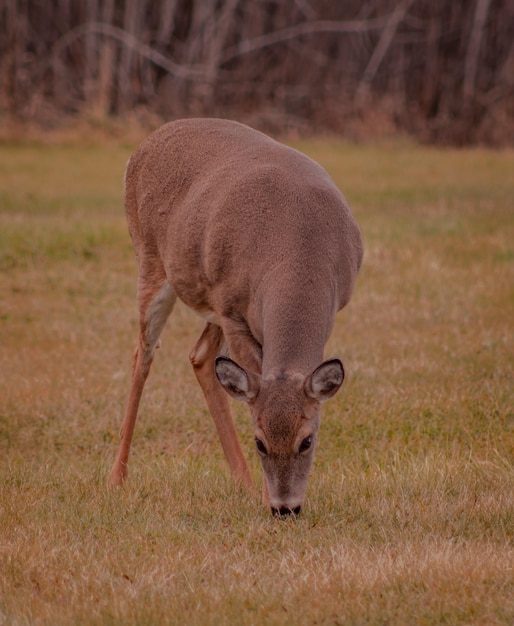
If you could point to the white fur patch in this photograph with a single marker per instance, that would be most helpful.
(206, 314)
(200, 351)
(125, 173)
(158, 312)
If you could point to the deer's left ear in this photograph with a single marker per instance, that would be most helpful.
(325, 380)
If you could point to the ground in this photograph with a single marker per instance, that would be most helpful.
(410, 506)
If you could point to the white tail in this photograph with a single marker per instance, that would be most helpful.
(256, 238)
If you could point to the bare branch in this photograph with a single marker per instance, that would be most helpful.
(224, 22)
(305, 8)
(106, 63)
(187, 73)
(305, 28)
(125, 66)
(470, 68)
(381, 49)
(166, 22)
(90, 57)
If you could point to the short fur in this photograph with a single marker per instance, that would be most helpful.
(255, 237)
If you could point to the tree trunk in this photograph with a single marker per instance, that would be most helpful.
(106, 65)
(126, 82)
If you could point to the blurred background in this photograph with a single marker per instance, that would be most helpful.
(440, 71)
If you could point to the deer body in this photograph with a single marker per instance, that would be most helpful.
(255, 237)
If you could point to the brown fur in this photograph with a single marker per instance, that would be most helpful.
(256, 237)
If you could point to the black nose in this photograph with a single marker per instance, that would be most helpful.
(285, 511)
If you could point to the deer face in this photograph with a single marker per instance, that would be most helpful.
(286, 414)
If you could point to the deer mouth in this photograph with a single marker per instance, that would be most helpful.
(284, 512)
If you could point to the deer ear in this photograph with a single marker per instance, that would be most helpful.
(236, 381)
(325, 380)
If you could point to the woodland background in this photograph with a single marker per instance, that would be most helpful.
(440, 71)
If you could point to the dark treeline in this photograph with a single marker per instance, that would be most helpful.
(443, 71)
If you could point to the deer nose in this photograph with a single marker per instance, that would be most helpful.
(284, 511)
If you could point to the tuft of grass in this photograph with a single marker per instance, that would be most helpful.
(410, 510)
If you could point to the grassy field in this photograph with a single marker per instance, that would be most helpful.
(410, 507)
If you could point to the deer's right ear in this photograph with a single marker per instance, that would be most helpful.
(236, 381)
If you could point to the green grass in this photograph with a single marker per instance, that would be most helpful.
(410, 507)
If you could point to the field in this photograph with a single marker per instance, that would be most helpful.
(409, 516)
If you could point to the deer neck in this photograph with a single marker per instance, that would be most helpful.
(297, 318)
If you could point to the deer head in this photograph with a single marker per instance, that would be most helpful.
(286, 412)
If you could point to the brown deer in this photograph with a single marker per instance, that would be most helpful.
(256, 238)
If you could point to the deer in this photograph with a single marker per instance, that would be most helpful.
(255, 237)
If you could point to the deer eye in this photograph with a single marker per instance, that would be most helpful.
(260, 446)
(306, 444)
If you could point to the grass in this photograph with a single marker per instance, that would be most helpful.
(410, 510)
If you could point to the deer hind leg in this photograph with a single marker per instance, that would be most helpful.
(156, 299)
(203, 360)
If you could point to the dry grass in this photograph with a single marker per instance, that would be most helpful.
(410, 512)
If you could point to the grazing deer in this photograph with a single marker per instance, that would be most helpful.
(256, 238)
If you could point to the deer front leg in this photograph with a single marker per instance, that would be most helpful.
(140, 369)
(156, 302)
(203, 360)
